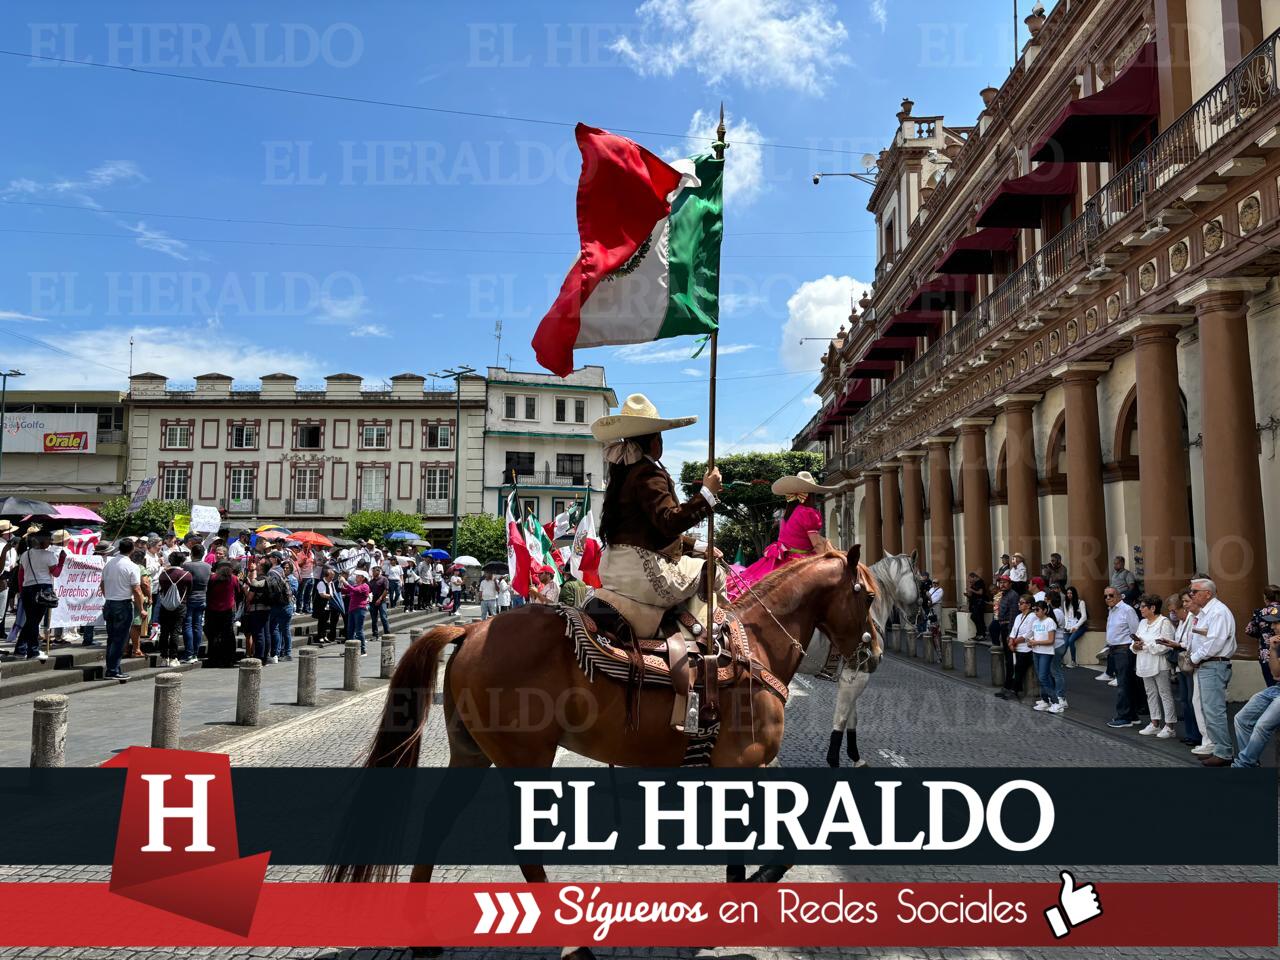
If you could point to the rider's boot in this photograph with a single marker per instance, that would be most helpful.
(852, 746)
(833, 751)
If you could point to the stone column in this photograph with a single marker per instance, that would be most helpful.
(1088, 557)
(1162, 459)
(1233, 517)
(891, 536)
(977, 496)
(872, 545)
(166, 711)
(913, 504)
(49, 730)
(248, 691)
(942, 549)
(1022, 477)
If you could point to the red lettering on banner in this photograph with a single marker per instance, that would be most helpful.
(72, 441)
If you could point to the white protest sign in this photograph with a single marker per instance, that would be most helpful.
(79, 602)
(205, 519)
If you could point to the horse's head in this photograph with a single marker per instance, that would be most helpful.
(901, 580)
(846, 620)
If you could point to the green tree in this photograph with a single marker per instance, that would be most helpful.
(747, 502)
(482, 536)
(154, 516)
(376, 524)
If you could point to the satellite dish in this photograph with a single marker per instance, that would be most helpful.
(868, 161)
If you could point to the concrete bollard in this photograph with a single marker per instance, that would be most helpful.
(921, 644)
(351, 665)
(166, 711)
(970, 659)
(895, 637)
(997, 667)
(49, 731)
(1031, 682)
(387, 665)
(948, 653)
(307, 676)
(248, 692)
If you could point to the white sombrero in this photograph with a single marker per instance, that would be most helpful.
(637, 418)
(802, 482)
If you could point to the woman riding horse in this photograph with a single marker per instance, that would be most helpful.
(645, 558)
(799, 533)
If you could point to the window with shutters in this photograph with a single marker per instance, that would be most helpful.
(375, 436)
(241, 483)
(435, 483)
(570, 467)
(373, 488)
(439, 436)
(176, 435)
(308, 436)
(244, 436)
(175, 483)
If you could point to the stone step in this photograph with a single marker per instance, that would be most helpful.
(87, 670)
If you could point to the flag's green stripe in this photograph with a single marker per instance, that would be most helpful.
(697, 224)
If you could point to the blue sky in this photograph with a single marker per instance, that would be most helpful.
(398, 237)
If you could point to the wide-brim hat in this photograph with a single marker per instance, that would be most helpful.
(637, 418)
(802, 482)
(7, 527)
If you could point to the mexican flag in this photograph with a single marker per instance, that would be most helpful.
(517, 552)
(585, 558)
(541, 550)
(649, 260)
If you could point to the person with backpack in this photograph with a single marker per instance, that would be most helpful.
(379, 598)
(173, 586)
(257, 609)
(279, 598)
(223, 594)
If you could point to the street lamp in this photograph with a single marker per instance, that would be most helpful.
(456, 374)
(868, 176)
(4, 389)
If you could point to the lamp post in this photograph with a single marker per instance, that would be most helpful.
(456, 374)
(4, 389)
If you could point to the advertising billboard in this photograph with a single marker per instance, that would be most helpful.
(56, 433)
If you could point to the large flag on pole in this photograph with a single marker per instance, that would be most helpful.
(649, 263)
(517, 552)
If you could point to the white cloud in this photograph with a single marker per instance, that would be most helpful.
(342, 311)
(693, 372)
(151, 239)
(11, 315)
(816, 309)
(430, 277)
(740, 302)
(793, 44)
(651, 352)
(106, 174)
(179, 352)
(812, 400)
(880, 13)
(370, 330)
(744, 176)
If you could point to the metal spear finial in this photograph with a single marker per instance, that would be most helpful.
(720, 144)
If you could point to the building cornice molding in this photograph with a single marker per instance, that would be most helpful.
(1211, 285)
(1018, 399)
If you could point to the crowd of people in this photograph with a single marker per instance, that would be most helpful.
(1169, 659)
(181, 593)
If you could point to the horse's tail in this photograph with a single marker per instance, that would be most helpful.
(398, 742)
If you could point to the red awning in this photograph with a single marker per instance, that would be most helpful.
(1020, 202)
(942, 293)
(871, 369)
(975, 253)
(1082, 131)
(855, 397)
(913, 323)
(891, 348)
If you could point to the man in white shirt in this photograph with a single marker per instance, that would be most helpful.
(8, 560)
(1213, 641)
(121, 587)
(488, 597)
(239, 547)
(1122, 626)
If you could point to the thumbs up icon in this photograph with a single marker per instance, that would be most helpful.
(1076, 905)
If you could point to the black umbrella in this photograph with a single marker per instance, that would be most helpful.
(24, 506)
(496, 567)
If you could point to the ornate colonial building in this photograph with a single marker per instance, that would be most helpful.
(1073, 341)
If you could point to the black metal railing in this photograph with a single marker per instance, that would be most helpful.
(304, 505)
(545, 477)
(370, 503)
(240, 506)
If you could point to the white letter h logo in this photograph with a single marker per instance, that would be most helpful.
(197, 813)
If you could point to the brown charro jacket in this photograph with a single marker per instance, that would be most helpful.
(652, 517)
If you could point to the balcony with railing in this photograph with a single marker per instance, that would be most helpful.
(380, 504)
(110, 436)
(1057, 271)
(435, 506)
(545, 477)
(303, 505)
(240, 506)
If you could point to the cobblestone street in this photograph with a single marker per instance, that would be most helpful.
(910, 715)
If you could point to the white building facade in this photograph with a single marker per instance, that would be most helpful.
(538, 434)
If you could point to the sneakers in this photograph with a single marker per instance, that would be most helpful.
(1103, 678)
(1148, 730)
(1203, 750)
(1063, 702)
(119, 676)
(1118, 724)
(1041, 706)
(1166, 733)
(1112, 682)
(1058, 707)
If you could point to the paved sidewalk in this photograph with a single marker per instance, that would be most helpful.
(103, 721)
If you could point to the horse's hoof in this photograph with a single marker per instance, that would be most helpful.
(577, 953)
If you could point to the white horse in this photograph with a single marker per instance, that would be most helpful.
(897, 587)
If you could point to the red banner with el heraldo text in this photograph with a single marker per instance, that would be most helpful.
(676, 914)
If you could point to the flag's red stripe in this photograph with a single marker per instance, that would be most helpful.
(622, 193)
(419, 914)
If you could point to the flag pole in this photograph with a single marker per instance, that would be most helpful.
(718, 147)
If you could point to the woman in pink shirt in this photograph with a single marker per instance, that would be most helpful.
(357, 597)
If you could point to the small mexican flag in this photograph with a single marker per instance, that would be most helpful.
(649, 264)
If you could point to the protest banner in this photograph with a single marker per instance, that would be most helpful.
(205, 519)
(79, 602)
(140, 495)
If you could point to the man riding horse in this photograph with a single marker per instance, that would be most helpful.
(648, 565)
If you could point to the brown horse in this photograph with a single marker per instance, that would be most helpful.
(513, 691)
